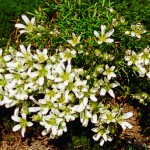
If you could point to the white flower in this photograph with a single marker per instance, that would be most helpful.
(107, 87)
(29, 24)
(132, 59)
(22, 122)
(75, 40)
(41, 56)
(137, 30)
(51, 123)
(17, 65)
(145, 56)
(84, 117)
(41, 73)
(109, 72)
(80, 88)
(102, 133)
(104, 37)
(62, 129)
(53, 94)
(86, 94)
(15, 87)
(123, 123)
(25, 53)
(44, 105)
(108, 117)
(67, 55)
(68, 113)
(91, 94)
(141, 70)
(65, 74)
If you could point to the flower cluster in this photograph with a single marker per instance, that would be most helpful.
(49, 88)
(140, 61)
(107, 117)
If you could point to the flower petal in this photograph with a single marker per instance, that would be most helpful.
(34, 109)
(30, 124)
(127, 115)
(96, 33)
(105, 136)
(125, 124)
(85, 101)
(101, 142)
(7, 57)
(54, 130)
(22, 31)
(23, 49)
(148, 74)
(80, 108)
(15, 118)
(114, 85)
(103, 27)
(19, 25)
(23, 131)
(94, 119)
(16, 127)
(102, 91)
(16, 112)
(68, 68)
(44, 132)
(28, 48)
(108, 34)
(93, 98)
(59, 70)
(45, 51)
(96, 137)
(111, 93)
(33, 20)
(25, 19)
(109, 40)
(95, 129)
(41, 81)
(99, 42)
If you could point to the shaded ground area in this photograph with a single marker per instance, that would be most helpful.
(135, 137)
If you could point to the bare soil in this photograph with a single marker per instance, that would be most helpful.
(134, 137)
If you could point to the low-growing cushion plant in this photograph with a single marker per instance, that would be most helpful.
(69, 61)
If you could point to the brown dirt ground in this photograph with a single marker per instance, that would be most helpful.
(10, 140)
